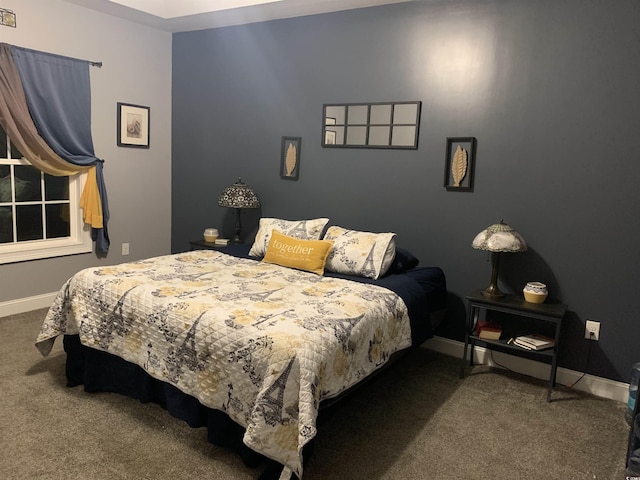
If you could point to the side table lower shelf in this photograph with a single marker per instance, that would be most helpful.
(550, 313)
(545, 355)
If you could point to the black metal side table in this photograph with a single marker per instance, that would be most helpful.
(202, 245)
(548, 313)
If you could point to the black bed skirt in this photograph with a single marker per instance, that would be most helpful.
(100, 371)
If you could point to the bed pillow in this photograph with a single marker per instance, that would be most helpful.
(308, 255)
(364, 254)
(403, 261)
(303, 229)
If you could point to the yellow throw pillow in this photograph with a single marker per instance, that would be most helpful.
(308, 255)
(304, 229)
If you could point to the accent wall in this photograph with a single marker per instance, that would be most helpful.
(549, 89)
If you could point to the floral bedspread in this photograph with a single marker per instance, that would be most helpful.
(261, 342)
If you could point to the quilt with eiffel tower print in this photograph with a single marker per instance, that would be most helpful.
(261, 342)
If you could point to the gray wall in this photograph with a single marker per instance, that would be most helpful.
(549, 89)
(137, 69)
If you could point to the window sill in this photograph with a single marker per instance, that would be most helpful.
(41, 249)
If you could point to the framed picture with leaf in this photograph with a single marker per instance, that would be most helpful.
(460, 164)
(290, 158)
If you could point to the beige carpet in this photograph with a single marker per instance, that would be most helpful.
(417, 420)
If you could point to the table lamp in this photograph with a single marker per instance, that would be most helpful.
(238, 196)
(496, 239)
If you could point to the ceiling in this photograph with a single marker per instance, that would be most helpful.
(188, 15)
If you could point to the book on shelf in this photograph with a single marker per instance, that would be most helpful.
(534, 342)
(488, 333)
(488, 330)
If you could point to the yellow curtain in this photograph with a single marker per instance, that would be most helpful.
(90, 201)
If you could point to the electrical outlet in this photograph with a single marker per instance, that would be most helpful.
(125, 249)
(592, 330)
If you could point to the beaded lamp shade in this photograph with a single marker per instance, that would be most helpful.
(239, 195)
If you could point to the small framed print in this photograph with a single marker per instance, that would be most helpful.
(460, 164)
(7, 18)
(290, 158)
(133, 125)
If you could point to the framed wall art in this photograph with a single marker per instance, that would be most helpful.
(290, 158)
(133, 125)
(460, 164)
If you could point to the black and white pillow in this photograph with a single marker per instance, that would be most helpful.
(364, 254)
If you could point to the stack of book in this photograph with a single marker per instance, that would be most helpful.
(534, 342)
(488, 330)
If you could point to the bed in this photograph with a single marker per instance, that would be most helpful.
(243, 344)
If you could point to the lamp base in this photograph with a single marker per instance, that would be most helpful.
(237, 239)
(492, 293)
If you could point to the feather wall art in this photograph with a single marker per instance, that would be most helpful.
(290, 160)
(459, 166)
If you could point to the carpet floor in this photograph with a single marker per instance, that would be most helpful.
(415, 420)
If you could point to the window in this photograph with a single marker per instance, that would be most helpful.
(40, 215)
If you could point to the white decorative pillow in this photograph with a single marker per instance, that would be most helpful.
(303, 229)
(364, 254)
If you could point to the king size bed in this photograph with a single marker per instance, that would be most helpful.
(243, 342)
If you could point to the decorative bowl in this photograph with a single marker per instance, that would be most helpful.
(535, 292)
(210, 235)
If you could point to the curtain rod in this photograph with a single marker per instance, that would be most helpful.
(93, 64)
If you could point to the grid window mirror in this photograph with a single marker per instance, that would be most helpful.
(371, 125)
(39, 213)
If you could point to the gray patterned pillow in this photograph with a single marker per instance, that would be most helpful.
(303, 229)
(364, 254)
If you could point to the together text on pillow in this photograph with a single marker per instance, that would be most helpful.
(308, 255)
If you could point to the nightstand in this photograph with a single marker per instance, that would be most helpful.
(540, 315)
(201, 244)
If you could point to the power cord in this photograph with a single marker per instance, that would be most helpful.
(591, 340)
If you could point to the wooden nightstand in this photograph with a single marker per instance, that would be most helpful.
(547, 314)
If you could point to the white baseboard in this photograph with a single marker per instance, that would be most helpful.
(601, 387)
(22, 305)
